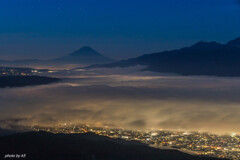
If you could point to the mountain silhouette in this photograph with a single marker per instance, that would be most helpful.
(83, 56)
(202, 58)
(85, 51)
(22, 81)
(88, 146)
(235, 42)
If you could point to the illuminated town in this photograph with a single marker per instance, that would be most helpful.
(9, 71)
(12, 71)
(221, 146)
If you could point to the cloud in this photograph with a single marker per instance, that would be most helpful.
(140, 101)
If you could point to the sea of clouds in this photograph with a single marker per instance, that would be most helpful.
(129, 98)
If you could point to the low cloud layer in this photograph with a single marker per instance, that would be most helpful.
(130, 100)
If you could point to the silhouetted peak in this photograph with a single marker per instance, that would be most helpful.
(235, 42)
(85, 51)
(206, 45)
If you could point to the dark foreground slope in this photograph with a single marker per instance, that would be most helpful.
(203, 58)
(21, 81)
(47, 146)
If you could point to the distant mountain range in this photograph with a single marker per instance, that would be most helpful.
(83, 56)
(89, 146)
(203, 58)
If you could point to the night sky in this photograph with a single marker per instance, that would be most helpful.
(118, 29)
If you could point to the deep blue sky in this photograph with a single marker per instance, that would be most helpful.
(116, 28)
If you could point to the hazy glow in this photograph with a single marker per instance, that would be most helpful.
(127, 98)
